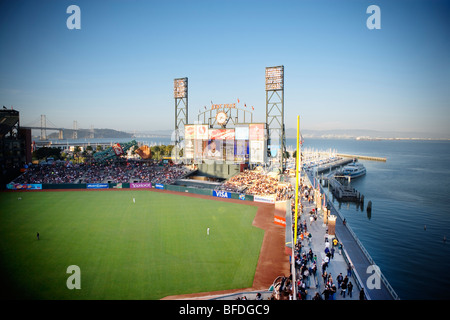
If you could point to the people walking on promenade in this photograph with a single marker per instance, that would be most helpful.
(350, 289)
(319, 244)
(362, 294)
(326, 293)
(333, 292)
(339, 279)
(343, 289)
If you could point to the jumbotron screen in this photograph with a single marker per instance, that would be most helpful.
(242, 144)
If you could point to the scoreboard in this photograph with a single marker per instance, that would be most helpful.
(246, 143)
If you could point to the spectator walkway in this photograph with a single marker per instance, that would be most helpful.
(336, 265)
(354, 252)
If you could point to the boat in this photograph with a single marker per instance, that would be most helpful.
(353, 170)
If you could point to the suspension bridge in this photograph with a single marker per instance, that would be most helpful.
(43, 124)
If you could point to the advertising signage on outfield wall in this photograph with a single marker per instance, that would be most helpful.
(97, 186)
(19, 186)
(221, 194)
(140, 185)
(266, 199)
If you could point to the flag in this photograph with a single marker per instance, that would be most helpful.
(212, 102)
(245, 105)
(253, 108)
(238, 100)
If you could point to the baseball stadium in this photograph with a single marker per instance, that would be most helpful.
(208, 223)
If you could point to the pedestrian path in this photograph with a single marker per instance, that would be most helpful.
(363, 267)
(337, 263)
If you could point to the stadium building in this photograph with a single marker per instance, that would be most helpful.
(15, 145)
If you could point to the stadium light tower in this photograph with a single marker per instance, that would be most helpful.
(180, 93)
(275, 115)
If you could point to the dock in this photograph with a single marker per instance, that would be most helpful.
(342, 191)
(339, 162)
(354, 156)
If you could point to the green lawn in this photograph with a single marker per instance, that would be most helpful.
(155, 247)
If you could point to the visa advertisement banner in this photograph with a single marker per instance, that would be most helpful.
(221, 194)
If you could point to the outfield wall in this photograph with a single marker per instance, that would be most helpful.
(142, 185)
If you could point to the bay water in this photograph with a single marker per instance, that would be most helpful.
(410, 217)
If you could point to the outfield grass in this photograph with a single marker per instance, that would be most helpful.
(155, 247)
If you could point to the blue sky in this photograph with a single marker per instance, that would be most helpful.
(117, 71)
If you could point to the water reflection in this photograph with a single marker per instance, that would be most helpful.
(350, 206)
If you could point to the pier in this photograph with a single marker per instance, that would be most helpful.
(342, 191)
(339, 162)
(354, 156)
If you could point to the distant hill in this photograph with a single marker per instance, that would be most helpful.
(86, 133)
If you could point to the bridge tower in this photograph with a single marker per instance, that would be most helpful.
(43, 127)
(75, 130)
(91, 132)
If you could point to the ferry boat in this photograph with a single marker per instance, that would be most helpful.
(353, 170)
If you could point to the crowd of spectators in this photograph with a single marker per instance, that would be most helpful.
(101, 172)
(56, 173)
(257, 182)
(167, 174)
(252, 182)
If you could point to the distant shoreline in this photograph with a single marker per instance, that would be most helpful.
(371, 139)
